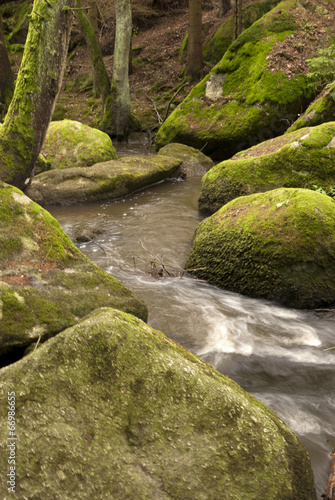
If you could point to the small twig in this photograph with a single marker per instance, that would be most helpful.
(38, 341)
(38, 14)
(203, 147)
(160, 121)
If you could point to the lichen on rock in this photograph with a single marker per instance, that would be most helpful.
(111, 408)
(304, 158)
(69, 143)
(46, 283)
(103, 181)
(278, 245)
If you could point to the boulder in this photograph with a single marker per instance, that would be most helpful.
(46, 283)
(103, 181)
(278, 245)
(256, 89)
(112, 409)
(194, 162)
(305, 158)
(320, 111)
(70, 143)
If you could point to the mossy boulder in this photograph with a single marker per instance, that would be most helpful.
(108, 180)
(305, 158)
(112, 409)
(70, 143)
(250, 93)
(46, 283)
(194, 162)
(215, 48)
(320, 111)
(278, 245)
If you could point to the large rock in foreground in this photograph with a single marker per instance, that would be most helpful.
(70, 143)
(103, 181)
(278, 245)
(254, 90)
(305, 158)
(112, 409)
(46, 283)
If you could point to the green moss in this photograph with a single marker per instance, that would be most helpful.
(278, 245)
(145, 414)
(300, 159)
(253, 97)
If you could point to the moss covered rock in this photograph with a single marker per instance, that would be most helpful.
(72, 144)
(194, 162)
(305, 158)
(46, 283)
(215, 48)
(108, 180)
(278, 245)
(112, 409)
(247, 94)
(320, 111)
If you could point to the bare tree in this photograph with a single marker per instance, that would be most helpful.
(194, 54)
(117, 118)
(237, 18)
(36, 90)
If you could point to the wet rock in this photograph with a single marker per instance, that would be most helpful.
(111, 408)
(103, 181)
(304, 158)
(261, 92)
(72, 144)
(194, 162)
(278, 245)
(46, 283)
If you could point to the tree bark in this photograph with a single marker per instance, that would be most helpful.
(194, 54)
(237, 18)
(99, 68)
(92, 16)
(36, 90)
(117, 118)
(6, 74)
(225, 5)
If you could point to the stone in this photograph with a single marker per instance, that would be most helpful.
(278, 245)
(112, 409)
(194, 162)
(46, 283)
(103, 181)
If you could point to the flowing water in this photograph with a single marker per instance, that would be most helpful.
(275, 353)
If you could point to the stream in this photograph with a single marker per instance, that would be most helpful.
(275, 353)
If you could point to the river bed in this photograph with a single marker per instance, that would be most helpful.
(275, 353)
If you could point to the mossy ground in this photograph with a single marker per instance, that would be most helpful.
(301, 159)
(278, 245)
(127, 413)
(46, 283)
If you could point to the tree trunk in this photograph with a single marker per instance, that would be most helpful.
(225, 5)
(194, 54)
(93, 14)
(6, 75)
(237, 18)
(36, 90)
(117, 118)
(99, 68)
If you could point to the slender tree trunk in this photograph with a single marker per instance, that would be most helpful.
(194, 54)
(6, 74)
(36, 90)
(117, 118)
(237, 18)
(93, 19)
(99, 68)
(225, 5)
